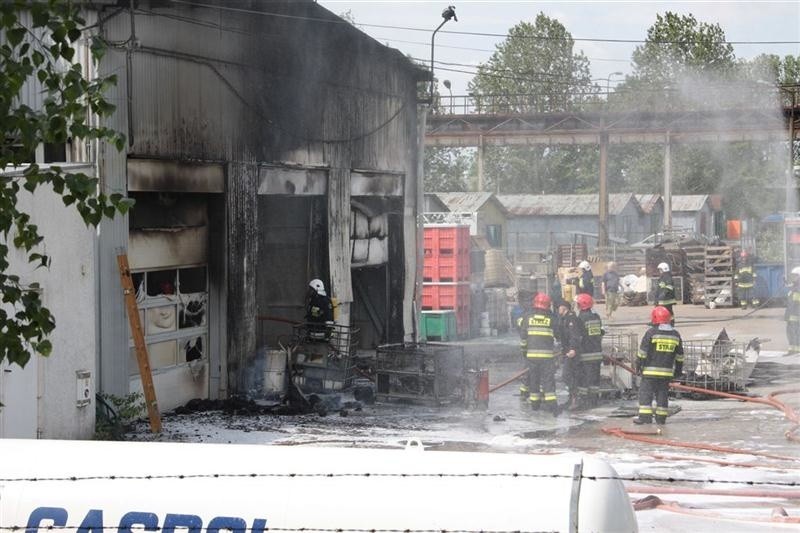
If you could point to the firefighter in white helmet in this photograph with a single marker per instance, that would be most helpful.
(586, 279)
(792, 314)
(665, 291)
(319, 310)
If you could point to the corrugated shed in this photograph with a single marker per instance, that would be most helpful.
(562, 204)
(647, 202)
(689, 202)
(468, 202)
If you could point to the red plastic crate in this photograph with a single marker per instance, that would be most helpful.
(437, 296)
(446, 240)
(440, 269)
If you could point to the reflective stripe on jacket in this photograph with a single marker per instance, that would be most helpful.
(536, 334)
(659, 351)
(592, 341)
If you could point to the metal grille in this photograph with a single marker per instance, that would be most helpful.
(423, 372)
(322, 356)
(621, 347)
(720, 365)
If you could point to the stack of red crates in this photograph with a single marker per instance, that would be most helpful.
(446, 272)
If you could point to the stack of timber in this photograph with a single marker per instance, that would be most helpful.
(499, 272)
(718, 287)
(569, 255)
(629, 260)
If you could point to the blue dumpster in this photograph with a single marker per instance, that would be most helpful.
(770, 283)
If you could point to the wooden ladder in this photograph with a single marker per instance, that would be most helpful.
(129, 291)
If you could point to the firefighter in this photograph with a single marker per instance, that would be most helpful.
(745, 279)
(319, 311)
(665, 292)
(660, 359)
(591, 350)
(792, 314)
(537, 338)
(586, 279)
(570, 335)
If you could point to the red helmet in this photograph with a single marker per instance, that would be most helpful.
(541, 301)
(660, 315)
(584, 301)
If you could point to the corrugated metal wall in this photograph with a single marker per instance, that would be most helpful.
(242, 89)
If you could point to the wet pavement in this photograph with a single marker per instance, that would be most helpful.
(508, 425)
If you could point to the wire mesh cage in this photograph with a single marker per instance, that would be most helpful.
(422, 372)
(322, 356)
(621, 348)
(720, 365)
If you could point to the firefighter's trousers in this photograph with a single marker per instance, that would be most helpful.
(542, 381)
(747, 297)
(590, 378)
(793, 334)
(650, 389)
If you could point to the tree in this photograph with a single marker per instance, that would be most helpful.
(536, 70)
(447, 169)
(37, 47)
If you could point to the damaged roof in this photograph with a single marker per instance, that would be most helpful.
(469, 202)
(647, 202)
(563, 204)
(689, 202)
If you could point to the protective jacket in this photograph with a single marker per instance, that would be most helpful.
(319, 308)
(570, 333)
(661, 353)
(792, 313)
(586, 283)
(592, 337)
(537, 335)
(745, 277)
(665, 295)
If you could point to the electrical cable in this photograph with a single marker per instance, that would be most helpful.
(468, 33)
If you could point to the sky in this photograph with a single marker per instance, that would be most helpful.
(589, 19)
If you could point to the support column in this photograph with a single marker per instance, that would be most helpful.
(602, 225)
(481, 154)
(668, 182)
(791, 192)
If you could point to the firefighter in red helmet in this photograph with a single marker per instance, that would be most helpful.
(660, 360)
(591, 351)
(537, 341)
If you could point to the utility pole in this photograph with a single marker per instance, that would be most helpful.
(667, 182)
(602, 230)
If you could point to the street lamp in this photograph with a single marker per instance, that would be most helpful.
(447, 14)
(450, 89)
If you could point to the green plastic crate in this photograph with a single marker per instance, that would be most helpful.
(439, 325)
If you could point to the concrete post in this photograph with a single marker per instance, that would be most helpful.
(602, 226)
(481, 153)
(667, 182)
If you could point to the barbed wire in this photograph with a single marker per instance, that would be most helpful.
(440, 475)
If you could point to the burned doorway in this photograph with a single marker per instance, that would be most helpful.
(377, 271)
(292, 250)
(168, 254)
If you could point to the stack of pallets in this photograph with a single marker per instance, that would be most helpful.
(718, 282)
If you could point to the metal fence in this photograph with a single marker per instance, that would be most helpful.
(620, 347)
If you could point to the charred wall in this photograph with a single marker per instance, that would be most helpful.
(243, 89)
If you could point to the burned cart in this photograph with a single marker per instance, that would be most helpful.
(619, 351)
(427, 373)
(721, 364)
(321, 356)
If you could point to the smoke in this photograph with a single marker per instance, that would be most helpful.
(747, 145)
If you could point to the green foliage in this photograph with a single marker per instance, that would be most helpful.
(43, 53)
(115, 415)
(447, 169)
(536, 70)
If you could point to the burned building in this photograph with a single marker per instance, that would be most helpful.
(267, 144)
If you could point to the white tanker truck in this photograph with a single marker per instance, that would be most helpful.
(95, 487)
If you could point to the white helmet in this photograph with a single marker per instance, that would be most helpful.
(663, 267)
(796, 271)
(318, 286)
(584, 265)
